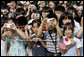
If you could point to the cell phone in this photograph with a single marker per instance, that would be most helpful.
(8, 25)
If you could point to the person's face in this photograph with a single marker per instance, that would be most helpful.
(50, 26)
(58, 13)
(14, 4)
(66, 21)
(44, 14)
(35, 28)
(79, 12)
(42, 4)
(68, 32)
(51, 5)
(74, 15)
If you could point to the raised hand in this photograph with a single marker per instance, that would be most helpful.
(13, 27)
(44, 20)
(54, 21)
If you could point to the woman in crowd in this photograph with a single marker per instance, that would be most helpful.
(73, 48)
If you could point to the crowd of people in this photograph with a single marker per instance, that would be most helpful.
(42, 28)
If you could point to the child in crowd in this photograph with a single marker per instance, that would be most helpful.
(37, 45)
(72, 43)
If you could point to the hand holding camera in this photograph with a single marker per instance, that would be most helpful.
(54, 21)
(7, 26)
(10, 26)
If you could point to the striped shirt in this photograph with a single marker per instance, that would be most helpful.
(49, 44)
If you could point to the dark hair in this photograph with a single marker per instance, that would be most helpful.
(35, 21)
(52, 15)
(21, 21)
(59, 8)
(45, 9)
(71, 10)
(20, 11)
(68, 25)
(64, 16)
(9, 19)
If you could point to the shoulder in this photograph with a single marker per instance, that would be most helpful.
(78, 42)
(76, 39)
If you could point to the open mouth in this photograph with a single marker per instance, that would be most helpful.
(50, 5)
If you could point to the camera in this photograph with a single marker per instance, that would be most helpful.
(8, 25)
(50, 20)
(37, 15)
(80, 8)
(32, 6)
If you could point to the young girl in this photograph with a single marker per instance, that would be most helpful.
(37, 46)
(15, 36)
(73, 49)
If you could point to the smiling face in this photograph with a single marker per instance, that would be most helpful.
(35, 28)
(69, 32)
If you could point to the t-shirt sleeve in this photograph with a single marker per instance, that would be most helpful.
(78, 43)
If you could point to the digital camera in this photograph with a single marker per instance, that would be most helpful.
(8, 25)
(37, 15)
(32, 6)
(50, 20)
